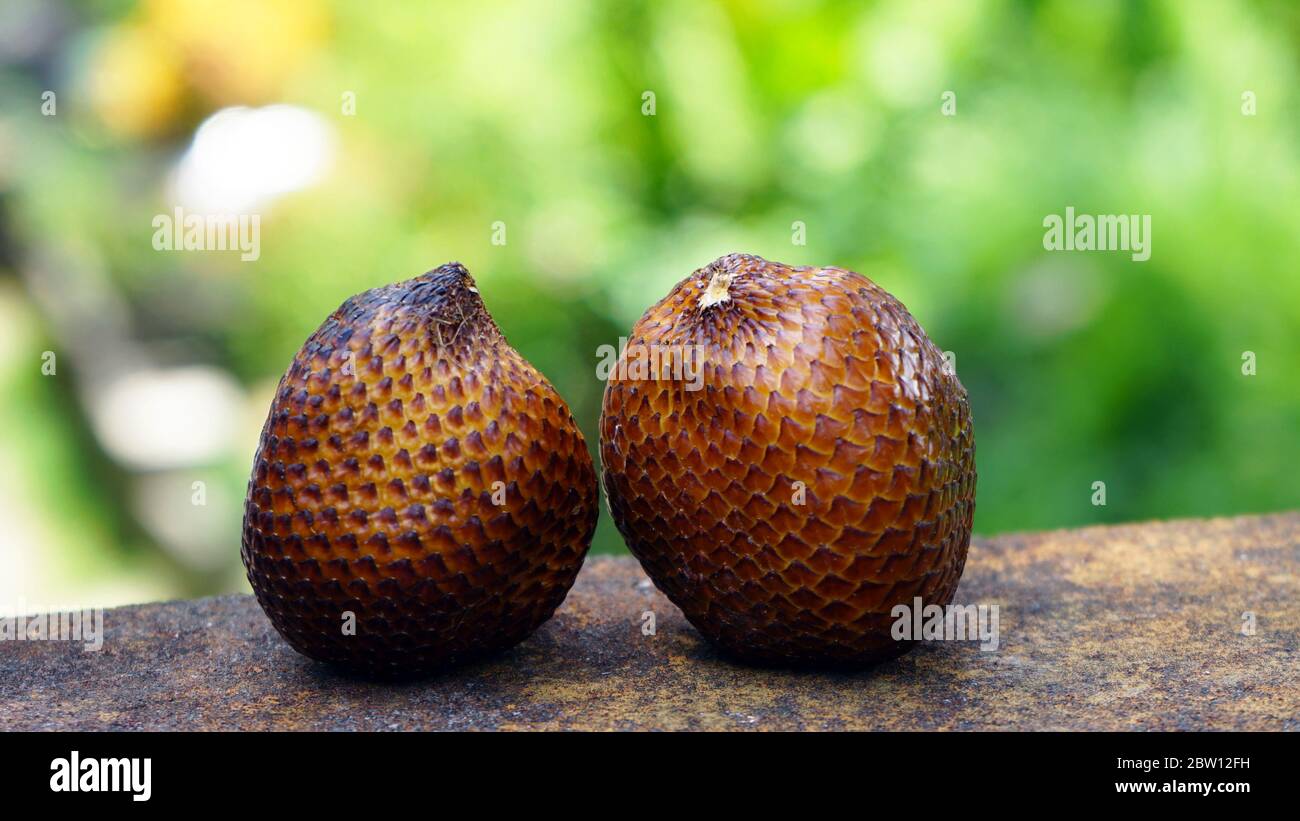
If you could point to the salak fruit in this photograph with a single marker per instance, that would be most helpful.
(420, 494)
(819, 471)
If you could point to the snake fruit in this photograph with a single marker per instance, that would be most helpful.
(818, 471)
(420, 494)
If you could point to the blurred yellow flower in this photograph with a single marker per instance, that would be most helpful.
(134, 81)
(240, 51)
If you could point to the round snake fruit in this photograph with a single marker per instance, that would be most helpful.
(420, 495)
(796, 460)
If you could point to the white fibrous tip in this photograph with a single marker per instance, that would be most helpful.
(718, 289)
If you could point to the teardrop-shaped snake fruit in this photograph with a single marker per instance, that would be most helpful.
(420, 495)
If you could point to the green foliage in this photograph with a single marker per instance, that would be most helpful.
(1081, 367)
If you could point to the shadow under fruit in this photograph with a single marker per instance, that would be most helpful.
(420, 495)
(822, 473)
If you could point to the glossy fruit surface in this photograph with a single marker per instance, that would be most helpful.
(822, 472)
(416, 473)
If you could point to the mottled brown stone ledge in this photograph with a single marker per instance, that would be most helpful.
(1129, 628)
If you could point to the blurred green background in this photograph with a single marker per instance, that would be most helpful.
(411, 134)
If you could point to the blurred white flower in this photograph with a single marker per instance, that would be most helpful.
(243, 159)
(1054, 298)
(197, 534)
(167, 418)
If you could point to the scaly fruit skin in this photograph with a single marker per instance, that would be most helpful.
(814, 376)
(415, 471)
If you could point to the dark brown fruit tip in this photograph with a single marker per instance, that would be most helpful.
(420, 495)
(821, 471)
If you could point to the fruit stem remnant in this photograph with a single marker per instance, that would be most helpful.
(717, 291)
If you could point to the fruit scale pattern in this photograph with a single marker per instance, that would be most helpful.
(824, 473)
(416, 472)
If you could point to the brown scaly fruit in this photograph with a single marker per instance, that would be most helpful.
(416, 472)
(823, 472)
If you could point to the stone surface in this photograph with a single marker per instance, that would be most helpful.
(1117, 628)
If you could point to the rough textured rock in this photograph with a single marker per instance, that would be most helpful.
(1119, 628)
